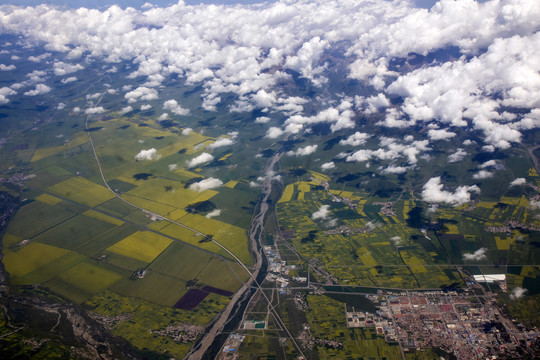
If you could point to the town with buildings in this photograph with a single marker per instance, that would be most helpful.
(467, 323)
(463, 324)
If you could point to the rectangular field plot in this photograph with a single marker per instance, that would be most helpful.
(232, 237)
(47, 151)
(124, 262)
(154, 287)
(100, 216)
(82, 190)
(151, 205)
(74, 233)
(41, 153)
(48, 199)
(30, 257)
(190, 237)
(36, 217)
(82, 281)
(181, 261)
(224, 275)
(118, 208)
(142, 245)
(50, 270)
(105, 240)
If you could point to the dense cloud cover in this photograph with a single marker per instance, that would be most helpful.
(247, 50)
(487, 83)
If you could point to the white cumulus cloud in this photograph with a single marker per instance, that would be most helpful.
(322, 213)
(262, 119)
(4, 93)
(68, 80)
(303, 151)
(328, 165)
(440, 134)
(518, 182)
(206, 184)
(94, 110)
(356, 139)
(483, 174)
(479, 254)
(213, 213)
(457, 156)
(40, 89)
(201, 159)
(126, 109)
(220, 143)
(4, 67)
(61, 68)
(517, 292)
(141, 93)
(274, 133)
(433, 192)
(148, 154)
(175, 108)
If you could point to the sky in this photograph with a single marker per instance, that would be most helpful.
(122, 3)
(138, 3)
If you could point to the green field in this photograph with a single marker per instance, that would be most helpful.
(223, 275)
(181, 261)
(41, 217)
(154, 287)
(75, 233)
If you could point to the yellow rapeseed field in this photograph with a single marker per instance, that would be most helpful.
(142, 245)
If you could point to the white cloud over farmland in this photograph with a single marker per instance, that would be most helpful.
(433, 191)
(479, 254)
(4, 93)
(141, 93)
(94, 110)
(518, 182)
(206, 184)
(174, 107)
(457, 156)
(220, 143)
(356, 139)
(61, 68)
(148, 154)
(322, 213)
(249, 50)
(39, 90)
(303, 151)
(328, 166)
(4, 67)
(199, 160)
